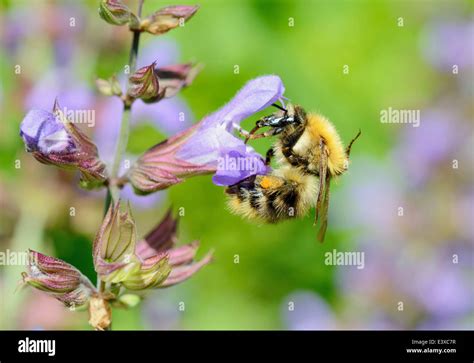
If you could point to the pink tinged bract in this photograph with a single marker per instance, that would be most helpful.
(167, 18)
(162, 239)
(59, 279)
(118, 259)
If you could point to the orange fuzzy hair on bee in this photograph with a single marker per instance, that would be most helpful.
(319, 126)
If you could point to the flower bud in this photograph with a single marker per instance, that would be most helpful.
(59, 279)
(54, 140)
(109, 87)
(114, 254)
(114, 245)
(167, 18)
(153, 263)
(144, 84)
(175, 77)
(162, 239)
(152, 273)
(114, 12)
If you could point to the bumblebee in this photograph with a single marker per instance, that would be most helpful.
(308, 153)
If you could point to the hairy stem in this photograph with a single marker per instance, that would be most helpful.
(119, 152)
(125, 125)
(113, 190)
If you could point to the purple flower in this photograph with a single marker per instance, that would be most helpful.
(54, 140)
(442, 287)
(449, 43)
(214, 140)
(60, 83)
(237, 164)
(170, 115)
(43, 132)
(159, 312)
(164, 51)
(379, 277)
(204, 147)
(465, 214)
(307, 311)
(374, 201)
(421, 149)
(13, 30)
(50, 22)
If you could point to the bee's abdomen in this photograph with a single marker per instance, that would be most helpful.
(268, 198)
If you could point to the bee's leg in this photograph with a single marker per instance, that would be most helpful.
(289, 142)
(348, 149)
(252, 135)
(274, 121)
(243, 132)
(269, 155)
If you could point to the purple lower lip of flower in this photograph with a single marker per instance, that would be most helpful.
(236, 165)
(54, 140)
(42, 131)
(448, 42)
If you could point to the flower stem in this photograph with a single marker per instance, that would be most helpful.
(113, 189)
(119, 152)
(125, 125)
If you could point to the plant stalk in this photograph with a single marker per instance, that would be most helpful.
(125, 124)
(113, 190)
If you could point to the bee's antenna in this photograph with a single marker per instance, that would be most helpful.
(348, 149)
(279, 107)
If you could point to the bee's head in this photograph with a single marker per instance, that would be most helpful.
(278, 121)
(296, 112)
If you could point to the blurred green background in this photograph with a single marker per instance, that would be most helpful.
(388, 66)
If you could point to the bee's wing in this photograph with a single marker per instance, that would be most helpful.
(322, 203)
(324, 211)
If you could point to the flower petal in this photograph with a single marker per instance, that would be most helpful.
(162, 237)
(181, 273)
(42, 131)
(257, 94)
(237, 164)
